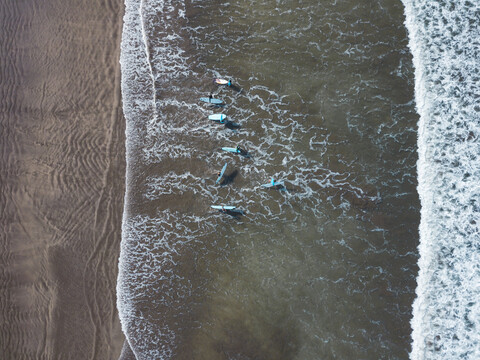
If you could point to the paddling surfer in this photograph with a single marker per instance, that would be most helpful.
(240, 150)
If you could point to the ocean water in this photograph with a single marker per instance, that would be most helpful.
(324, 96)
(444, 39)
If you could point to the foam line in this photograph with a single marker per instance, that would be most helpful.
(138, 107)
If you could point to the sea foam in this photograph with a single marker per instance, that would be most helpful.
(444, 40)
(138, 97)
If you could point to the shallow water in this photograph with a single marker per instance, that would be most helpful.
(324, 269)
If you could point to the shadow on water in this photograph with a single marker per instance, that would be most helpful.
(232, 126)
(237, 214)
(235, 88)
(216, 106)
(228, 179)
(279, 187)
(245, 154)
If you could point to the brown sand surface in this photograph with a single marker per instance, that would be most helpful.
(62, 178)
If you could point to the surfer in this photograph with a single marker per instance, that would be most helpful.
(241, 151)
(210, 97)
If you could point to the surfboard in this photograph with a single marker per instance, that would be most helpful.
(218, 117)
(273, 184)
(230, 149)
(223, 207)
(221, 81)
(211, 101)
(221, 173)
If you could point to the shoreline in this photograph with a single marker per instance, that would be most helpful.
(63, 156)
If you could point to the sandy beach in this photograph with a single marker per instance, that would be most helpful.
(62, 179)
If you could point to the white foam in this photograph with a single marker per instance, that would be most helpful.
(148, 281)
(446, 54)
(147, 340)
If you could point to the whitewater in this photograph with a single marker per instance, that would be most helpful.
(444, 40)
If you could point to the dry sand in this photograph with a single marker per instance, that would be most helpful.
(62, 178)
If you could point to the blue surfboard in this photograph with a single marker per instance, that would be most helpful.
(221, 173)
(218, 117)
(273, 183)
(230, 149)
(211, 101)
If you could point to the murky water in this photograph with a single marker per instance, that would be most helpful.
(323, 268)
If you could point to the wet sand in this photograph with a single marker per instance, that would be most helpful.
(61, 180)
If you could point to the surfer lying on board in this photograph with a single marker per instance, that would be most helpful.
(226, 211)
(241, 151)
(223, 82)
(228, 83)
